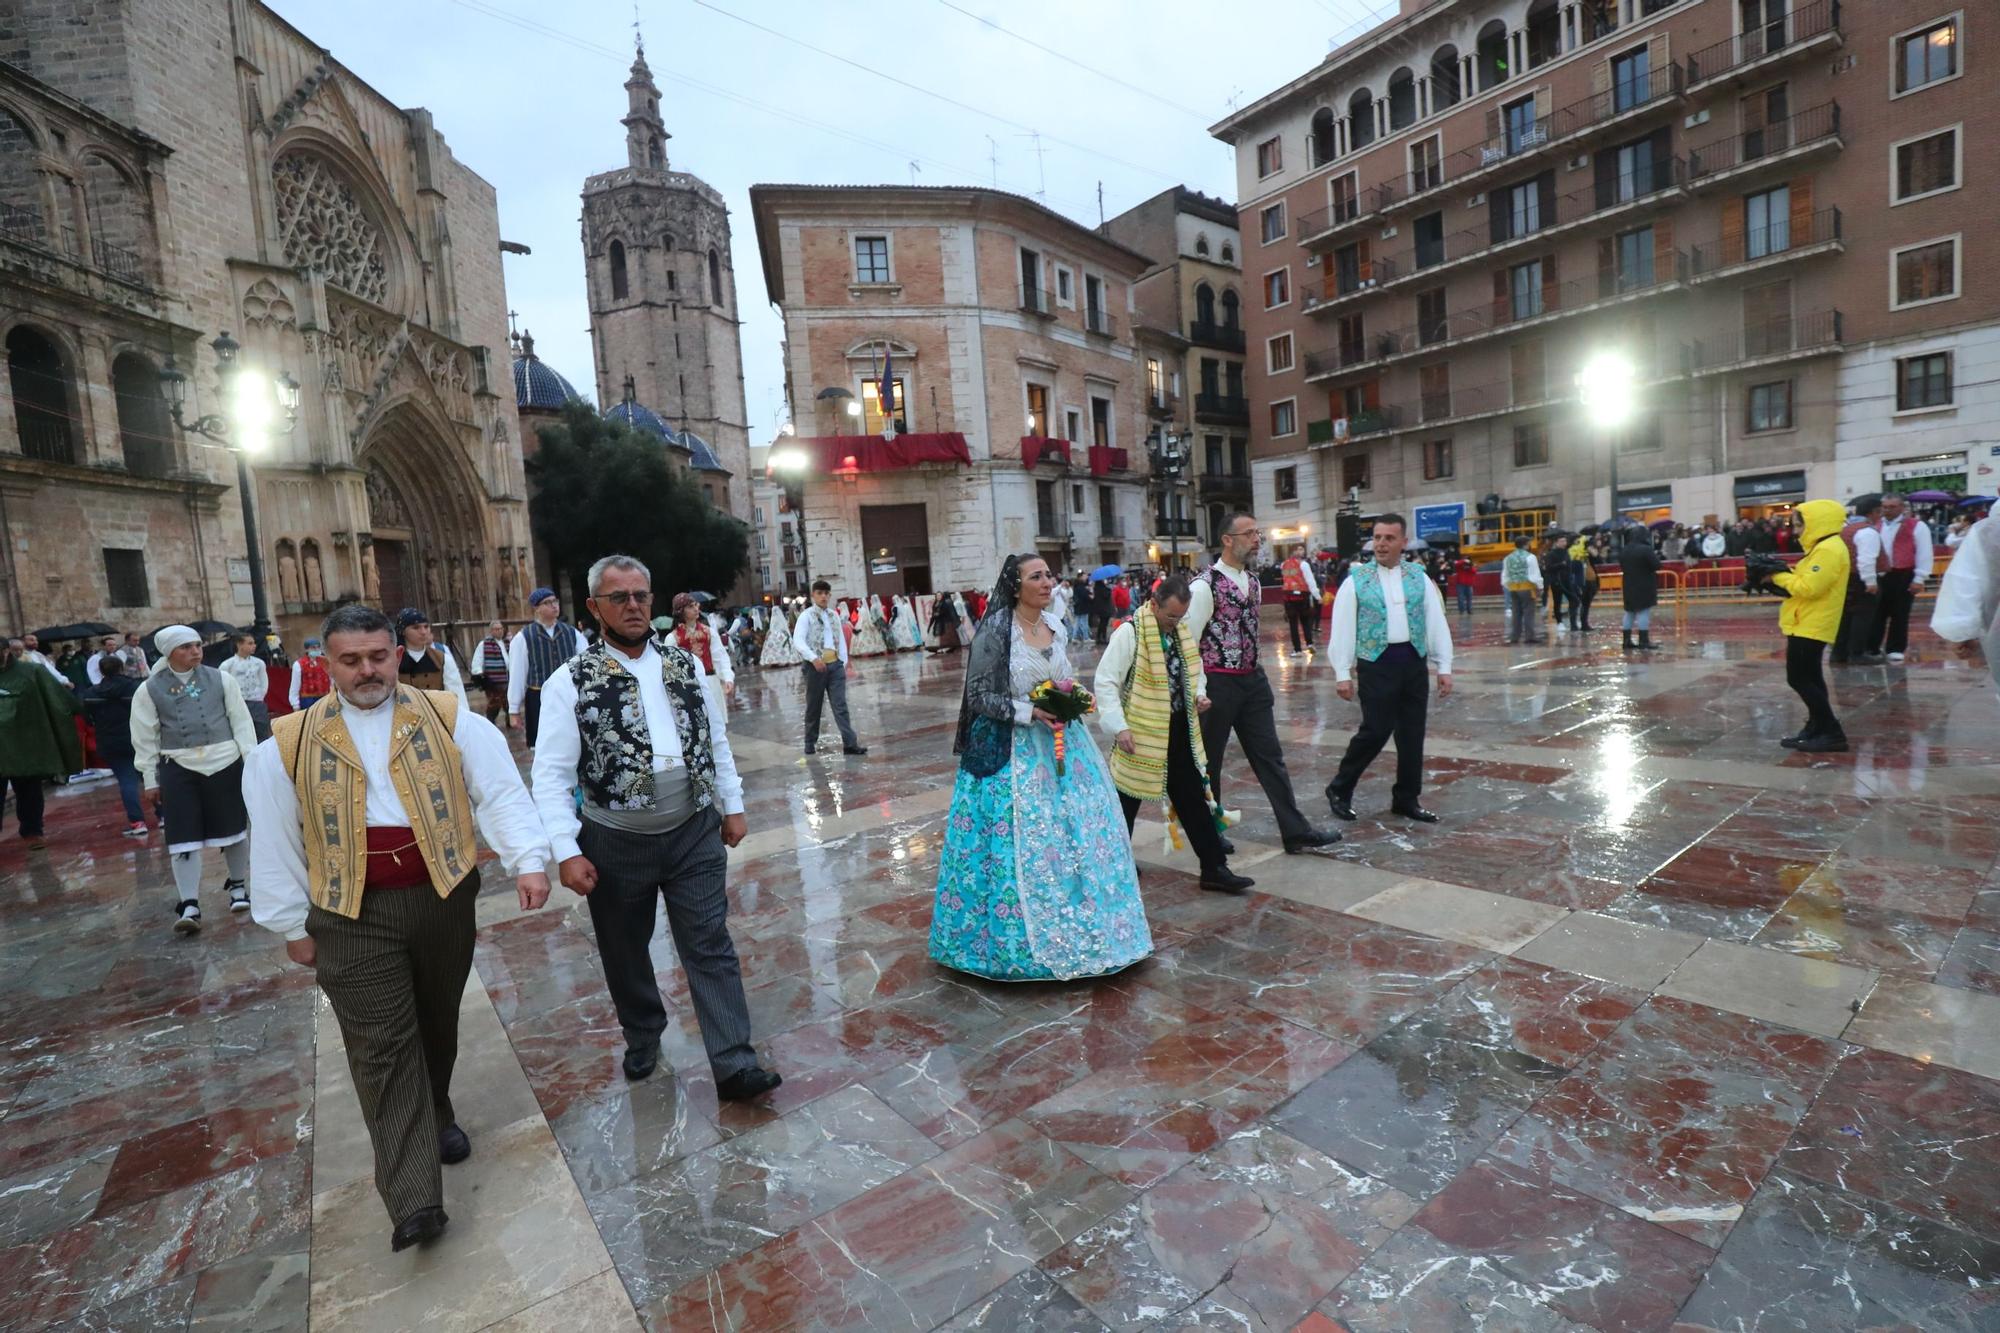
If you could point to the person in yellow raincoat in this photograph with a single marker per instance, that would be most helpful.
(1814, 590)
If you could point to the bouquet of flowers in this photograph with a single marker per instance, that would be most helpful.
(1065, 701)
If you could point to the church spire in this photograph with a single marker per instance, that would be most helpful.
(645, 134)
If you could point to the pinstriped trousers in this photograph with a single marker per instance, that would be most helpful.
(688, 866)
(394, 976)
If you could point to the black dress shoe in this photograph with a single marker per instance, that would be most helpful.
(453, 1146)
(854, 749)
(1228, 847)
(1310, 839)
(1416, 812)
(1792, 742)
(1343, 807)
(1822, 745)
(1225, 880)
(744, 1084)
(419, 1228)
(641, 1061)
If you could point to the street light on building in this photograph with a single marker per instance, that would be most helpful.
(256, 406)
(1169, 459)
(789, 463)
(1608, 387)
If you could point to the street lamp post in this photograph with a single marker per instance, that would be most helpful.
(789, 463)
(1170, 461)
(1608, 388)
(255, 404)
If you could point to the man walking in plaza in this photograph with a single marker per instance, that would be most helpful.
(1521, 576)
(1301, 603)
(1150, 688)
(1388, 623)
(1864, 553)
(108, 705)
(135, 655)
(190, 735)
(253, 678)
(38, 739)
(94, 669)
(543, 644)
(365, 861)
(423, 663)
(489, 670)
(310, 680)
(31, 651)
(1906, 563)
(821, 640)
(1222, 619)
(630, 722)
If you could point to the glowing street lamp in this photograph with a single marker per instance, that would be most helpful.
(1608, 388)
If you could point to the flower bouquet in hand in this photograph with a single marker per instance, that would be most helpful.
(1066, 702)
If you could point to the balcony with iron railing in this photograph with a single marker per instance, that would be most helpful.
(1218, 484)
(1625, 101)
(1789, 338)
(1616, 199)
(1533, 307)
(1221, 337)
(1110, 525)
(1163, 526)
(1782, 143)
(1224, 409)
(1368, 421)
(1035, 300)
(1163, 405)
(1754, 52)
(1766, 247)
(1098, 320)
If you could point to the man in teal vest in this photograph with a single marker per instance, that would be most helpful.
(1388, 619)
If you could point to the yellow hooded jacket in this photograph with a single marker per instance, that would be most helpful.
(1817, 584)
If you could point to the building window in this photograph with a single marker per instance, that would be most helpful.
(1346, 195)
(1635, 260)
(1924, 273)
(1354, 472)
(873, 418)
(1767, 223)
(714, 278)
(1038, 410)
(1156, 382)
(1428, 232)
(1923, 381)
(1769, 407)
(871, 259)
(1065, 286)
(1927, 55)
(1926, 166)
(1432, 325)
(1228, 253)
(1285, 483)
(1076, 499)
(1437, 460)
(1518, 119)
(1100, 422)
(1630, 79)
(1524, 209)
(1284, 418)
(1072, 425)
(1426, 164)
(1201, 247)
(620, 286)
(1524, 290)
(125, 577)
(1271, 222)
(1531, 444)
(1277, 288)
(1278, 353)
(1270, 156)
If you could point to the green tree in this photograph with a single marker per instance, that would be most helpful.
(600, 487)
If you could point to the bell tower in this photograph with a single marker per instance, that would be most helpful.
(645, 133)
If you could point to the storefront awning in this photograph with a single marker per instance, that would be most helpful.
(1939, 466)
(1649, 497)
(1771, 486)
(872, 453)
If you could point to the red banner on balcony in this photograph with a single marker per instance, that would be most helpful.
(1103, 459)
(872, 453)
(1035, 448)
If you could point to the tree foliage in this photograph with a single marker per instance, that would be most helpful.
(600, 487)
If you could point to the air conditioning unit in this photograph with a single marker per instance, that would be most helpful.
(1698, 118)
(1312, 261)
(1579, 162)
(1478, 198)
(1388, 233)
(1340, 428)
(1366, 282)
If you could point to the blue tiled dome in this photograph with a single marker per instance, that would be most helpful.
(536, 384)
(703, 451)
(641, 418)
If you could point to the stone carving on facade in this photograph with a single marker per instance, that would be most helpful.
(432, 591)
(522, 578)
(310, 567)
(385, 502)
(290, 590)
(300, 96)
(323, 226)
(266, 308)
(371, 582)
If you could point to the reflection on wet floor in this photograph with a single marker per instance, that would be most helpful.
(1661, 1023)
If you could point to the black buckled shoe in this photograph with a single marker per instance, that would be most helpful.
(854, 749)
(745, 1084)
(453, 1146)
(1221, 879)
(1416, 812)
(641, 1061)
(1343, 806)
(1311, 840)
(1822, 745)
(419, 1228)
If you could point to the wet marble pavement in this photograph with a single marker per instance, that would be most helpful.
(1663, 1027)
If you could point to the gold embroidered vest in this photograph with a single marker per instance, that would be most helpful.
(332, 786)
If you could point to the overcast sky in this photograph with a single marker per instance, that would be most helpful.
(530, 95)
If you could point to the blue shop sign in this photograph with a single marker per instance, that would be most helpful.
(1433, 521)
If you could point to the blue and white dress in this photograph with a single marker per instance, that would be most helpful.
(1037, 881)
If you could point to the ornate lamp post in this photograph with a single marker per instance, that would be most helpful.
(1169, 459)
(255, 404)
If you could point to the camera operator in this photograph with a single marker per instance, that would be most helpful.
(1814, 591)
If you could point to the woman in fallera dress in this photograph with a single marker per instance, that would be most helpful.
(1036, 881)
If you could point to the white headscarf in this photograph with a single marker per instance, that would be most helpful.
(168, 639)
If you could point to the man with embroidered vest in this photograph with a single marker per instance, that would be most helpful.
(543, 644)
(1388, 620)
(1222, 618)
(1906, 563)
(423, 663)
(1521, 576)
(630, 722)
(489, 670)
(1864, 554)
(1301, 603)
(190, 734)
(821, 638)
(1150, 689)
(363, 857)
(310, 679)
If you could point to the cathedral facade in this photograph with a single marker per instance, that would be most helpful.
(664, 323)
(242, 180)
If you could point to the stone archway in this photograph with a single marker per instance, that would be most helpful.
(427, 518)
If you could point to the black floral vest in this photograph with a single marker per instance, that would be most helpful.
(617, 766)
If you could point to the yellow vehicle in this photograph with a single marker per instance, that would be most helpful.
(1487, 537)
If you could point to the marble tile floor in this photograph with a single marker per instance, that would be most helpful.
(1662, 1028)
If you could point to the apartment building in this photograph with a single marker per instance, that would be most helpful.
(1014, 421)
(1766, 205)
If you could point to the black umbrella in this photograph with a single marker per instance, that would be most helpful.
(82, 629)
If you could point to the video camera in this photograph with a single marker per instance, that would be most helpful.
(1758, 566)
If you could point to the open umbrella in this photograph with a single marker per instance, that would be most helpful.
(1661, 524)
(82, 629)
(1975, 501)
(1930, 497)
(1103, 572)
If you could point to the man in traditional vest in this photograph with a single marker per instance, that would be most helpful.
(543, 644)
(1222, 618)
(1388, 620)
(1864, 555)
(1150, 689)
(364, 858)
(1906, 563)
(821, 638)
(489, 669)
(1301, 603)
(1521, 576)
(310, 681)
(422, 662)
(190, 733)
(629, 721)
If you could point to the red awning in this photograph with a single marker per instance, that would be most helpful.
(1035, 448)
(872, 453)
(1103, 459)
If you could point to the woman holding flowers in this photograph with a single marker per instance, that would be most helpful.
(1026, 891)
